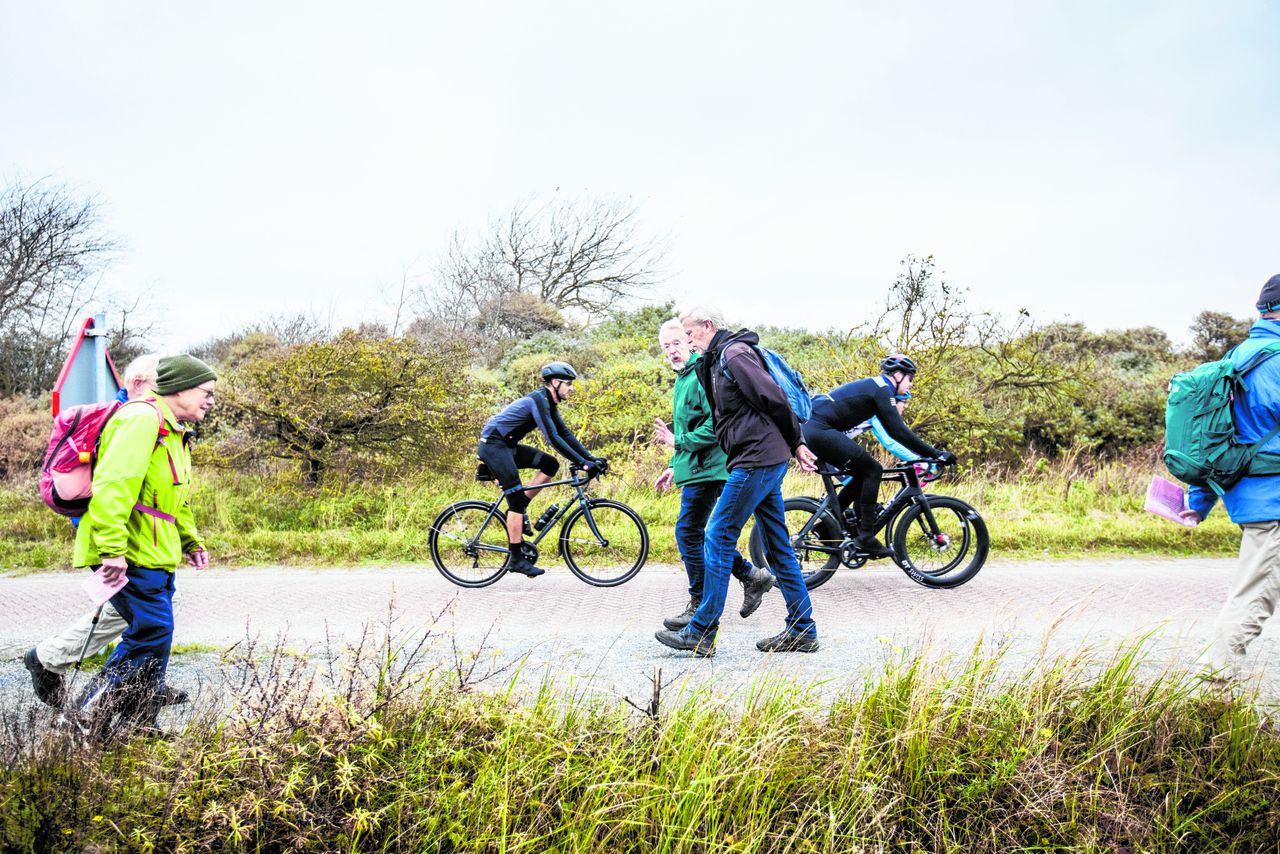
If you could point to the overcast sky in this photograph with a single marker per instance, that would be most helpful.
(1114, 163)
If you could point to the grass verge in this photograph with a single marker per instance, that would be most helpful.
(1077, 756)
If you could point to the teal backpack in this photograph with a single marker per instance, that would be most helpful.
(1200, 446)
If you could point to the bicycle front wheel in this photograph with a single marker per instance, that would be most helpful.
(946, 553)
(468, 544)
(606, 548)
(817, 549)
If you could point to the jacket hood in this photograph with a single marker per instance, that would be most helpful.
(724, 338)
(1267, 330)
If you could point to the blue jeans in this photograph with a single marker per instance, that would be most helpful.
(752, 491)
(696, 503)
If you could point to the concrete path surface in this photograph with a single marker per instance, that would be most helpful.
(602, 639)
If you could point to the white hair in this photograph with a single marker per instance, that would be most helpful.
(704, 314)
(672, 325)
(145, 367)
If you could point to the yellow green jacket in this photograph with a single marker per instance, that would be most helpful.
(141, 488)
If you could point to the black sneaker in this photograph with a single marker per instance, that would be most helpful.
(869, 544)
(785, 641)
(173, 696)
(701, 645)
(47, 683)
(679, 621)
(521, 566)
(757, 584)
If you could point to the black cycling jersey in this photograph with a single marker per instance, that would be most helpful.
(536, 410)
(847, 406)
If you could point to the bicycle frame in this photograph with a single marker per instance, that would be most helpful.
(579, 484)
(910, 493)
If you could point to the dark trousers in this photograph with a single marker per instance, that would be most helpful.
(146, 603)
(697, 500)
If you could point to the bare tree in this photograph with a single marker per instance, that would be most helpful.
(51, 249)
(569, 255)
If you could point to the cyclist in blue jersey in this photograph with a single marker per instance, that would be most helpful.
(848, 406)
(501, 451)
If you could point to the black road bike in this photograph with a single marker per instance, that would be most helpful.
(603, 542)
(938, 541)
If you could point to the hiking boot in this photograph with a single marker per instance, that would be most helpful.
(785, 641)
(867, 542)
(754, 587)
(679, 621)
(47, 683)
(701, 645)
(521, 566)
(173, 696)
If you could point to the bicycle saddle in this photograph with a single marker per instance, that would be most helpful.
(483, 473)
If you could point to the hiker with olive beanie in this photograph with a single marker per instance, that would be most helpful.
(139, 524)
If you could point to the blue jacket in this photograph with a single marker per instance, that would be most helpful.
(1253, 499)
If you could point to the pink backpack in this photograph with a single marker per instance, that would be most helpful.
(66, 479)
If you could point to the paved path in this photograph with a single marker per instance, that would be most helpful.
(602, 639)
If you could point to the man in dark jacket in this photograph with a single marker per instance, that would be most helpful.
(698, 467)
(758, 431)
(1253, 502)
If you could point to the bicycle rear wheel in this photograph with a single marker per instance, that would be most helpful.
(946, 554)
(817, 550)
(609, 547)
(468, 544)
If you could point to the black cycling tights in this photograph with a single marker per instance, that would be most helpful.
(835, 447)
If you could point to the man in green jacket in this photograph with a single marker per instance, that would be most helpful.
(698, 467)
(139, 524)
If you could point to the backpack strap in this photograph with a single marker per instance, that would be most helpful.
(1252, 362)
(1263, 353)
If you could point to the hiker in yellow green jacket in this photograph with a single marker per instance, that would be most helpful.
(140, 524)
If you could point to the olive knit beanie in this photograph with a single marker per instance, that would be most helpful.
(179, 373)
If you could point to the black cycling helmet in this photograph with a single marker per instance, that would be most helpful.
(897, 362)
(558, 371)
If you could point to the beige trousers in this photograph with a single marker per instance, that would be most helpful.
(61, 651)
(1252, 599)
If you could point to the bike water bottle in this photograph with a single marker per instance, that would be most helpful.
(546, 517)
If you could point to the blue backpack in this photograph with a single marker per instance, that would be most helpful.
(787, 378)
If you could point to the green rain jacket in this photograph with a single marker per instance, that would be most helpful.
(698, 456)
(141, 486)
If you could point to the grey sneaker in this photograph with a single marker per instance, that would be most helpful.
(679, 621)
(753, 589)
(785, 641)
(701, 645)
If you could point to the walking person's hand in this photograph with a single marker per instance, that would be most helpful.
(665, 480)
(806, 458)
(1191, 516)
(662, 433)
(199, 558)
(113, 568)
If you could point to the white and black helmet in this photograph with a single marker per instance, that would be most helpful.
(558, 371)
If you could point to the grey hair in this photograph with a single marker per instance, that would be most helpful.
(704, 314)
(145, 367)
(673, 325)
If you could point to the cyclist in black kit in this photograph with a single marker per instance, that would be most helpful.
(501, 452)
(846, 407)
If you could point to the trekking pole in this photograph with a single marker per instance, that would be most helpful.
(68, 693)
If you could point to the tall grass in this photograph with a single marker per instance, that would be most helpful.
(1071, 507)
(1079, 755)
